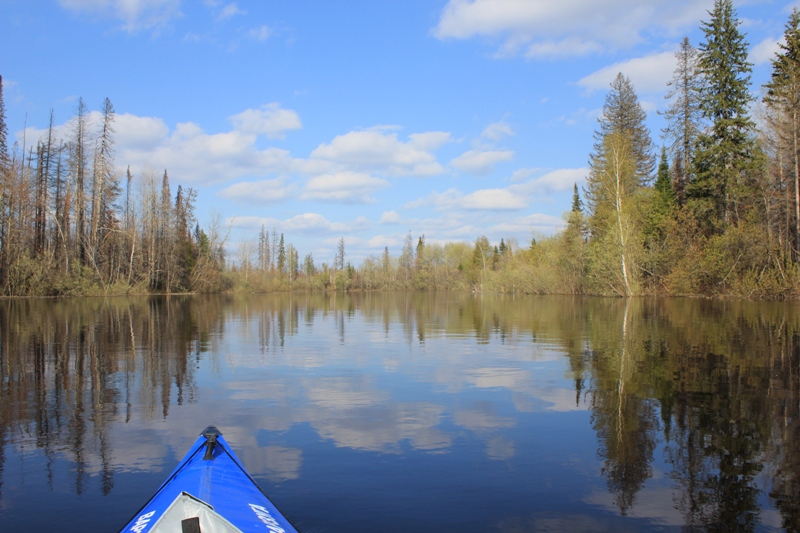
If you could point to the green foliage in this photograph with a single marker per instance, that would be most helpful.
(577, 203)
(726, 155)
(623, 115)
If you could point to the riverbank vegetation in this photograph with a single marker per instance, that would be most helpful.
(717, 212)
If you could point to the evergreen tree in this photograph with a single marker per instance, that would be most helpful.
(407, 256)
(783, 96)
(385, 262)
(683, 116)
(274, 254)
(293, 261)
(308, 265)
(577, 203)
(663, 184)
(623, 115)
(281, 255)
(185, 249)
(661, 206)
(420, 255)
(726, 152)
(623, 120)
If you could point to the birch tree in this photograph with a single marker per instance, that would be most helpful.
(614, 185)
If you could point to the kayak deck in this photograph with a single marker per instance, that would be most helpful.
(209, 492)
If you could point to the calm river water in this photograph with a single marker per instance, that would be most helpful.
(409, 412)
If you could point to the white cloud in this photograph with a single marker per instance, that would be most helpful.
(306, 223)
(539, 28)
(430, 140)
(648, 74)
(264, 191)
(765, 51)
(315, 223)
(389, 217)
(553, 49)
(538, 222)
(554, 181)
(229, 11)
(375, 150)
(193, 156)
(259, 34)
(139, 133)
(382, 241)
(481, 162)
(134, 14)
(270, 120)
(347, 187)
(497, 131)
(493, 199)
(523, 174)
(482, 200)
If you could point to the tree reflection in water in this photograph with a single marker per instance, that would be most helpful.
(716, 385)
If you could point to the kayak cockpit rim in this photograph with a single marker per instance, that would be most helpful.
(189, 514)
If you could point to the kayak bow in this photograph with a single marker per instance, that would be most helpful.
(209, 492)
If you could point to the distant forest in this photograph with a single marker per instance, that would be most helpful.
(716, 213)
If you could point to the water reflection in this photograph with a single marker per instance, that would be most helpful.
(693, 405)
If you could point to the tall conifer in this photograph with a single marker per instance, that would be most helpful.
(577, 203)
(623, 115)
(726, 152)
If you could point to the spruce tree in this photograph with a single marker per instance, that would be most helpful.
(577, 203)
(281, 255)
(623, 115)
(726, 152)
(663, 183)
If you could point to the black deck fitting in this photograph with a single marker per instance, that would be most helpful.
(210, 433)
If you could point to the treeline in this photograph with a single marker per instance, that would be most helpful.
(718, 213)
(68, 226)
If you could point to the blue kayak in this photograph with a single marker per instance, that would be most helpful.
(209, 492)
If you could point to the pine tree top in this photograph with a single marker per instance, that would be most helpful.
(623, 114)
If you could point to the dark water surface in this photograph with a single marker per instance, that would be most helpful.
(409, 412)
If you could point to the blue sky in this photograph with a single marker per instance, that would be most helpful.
(358, 119)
